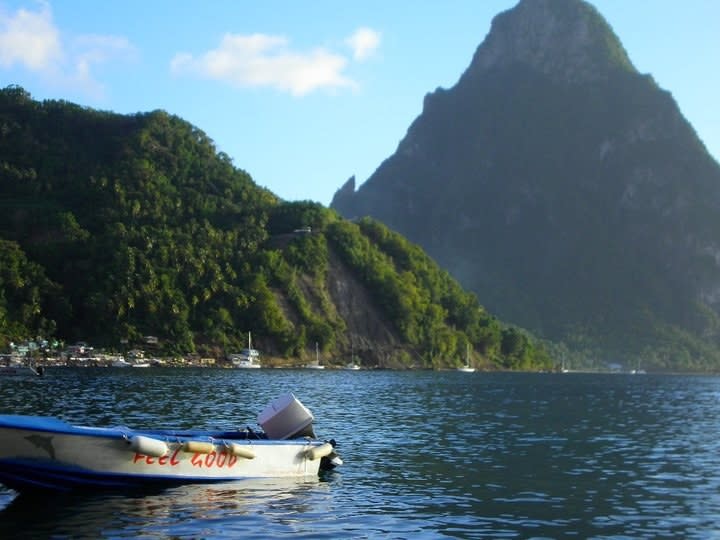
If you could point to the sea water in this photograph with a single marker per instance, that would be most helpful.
(427, 455)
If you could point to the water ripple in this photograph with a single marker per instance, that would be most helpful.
(428, 455)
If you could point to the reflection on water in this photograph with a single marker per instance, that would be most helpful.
(198, 511)
(427, 454)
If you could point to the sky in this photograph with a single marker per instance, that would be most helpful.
(304, 95)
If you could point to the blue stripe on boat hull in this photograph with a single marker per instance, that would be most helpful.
(26, 475)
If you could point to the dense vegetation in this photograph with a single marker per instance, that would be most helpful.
(118, 227)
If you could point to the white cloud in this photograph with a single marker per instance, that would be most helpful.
(264, 60)
(30, 39)
(363, 42)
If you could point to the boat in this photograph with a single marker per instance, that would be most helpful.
(563, 366)
(20, 371)
(14, 367)
(466, 367)
(638, 370)
(43, 453)
(352, 365)
(120, 362)
(315, 364)
(247, 358)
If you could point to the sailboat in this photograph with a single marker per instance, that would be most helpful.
(638, 370)
(316, 363)
(352, 365)
(247, 358)
(467, 368)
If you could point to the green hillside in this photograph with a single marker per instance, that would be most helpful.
(116, 227)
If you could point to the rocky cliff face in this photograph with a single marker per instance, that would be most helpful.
(371, 336)
(566, 40)
(562, 186)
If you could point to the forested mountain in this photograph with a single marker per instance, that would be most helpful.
(116, 227)
(566, 190)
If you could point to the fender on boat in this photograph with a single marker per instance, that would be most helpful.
(317, 452)
(198, 447)
(241, 450)
(148, 446)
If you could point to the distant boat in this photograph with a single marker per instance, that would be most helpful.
(467, 368)
(120, 362)
(638, 370)
(352, 365)
(15, 369)
(248, 358)
(316, 364)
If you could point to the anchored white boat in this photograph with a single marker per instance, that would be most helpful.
(316, 363)
(46, 453)
(248, 358)
(466, 367)
(120, 362)
(352, 365)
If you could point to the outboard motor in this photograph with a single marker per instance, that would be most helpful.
(332, 460)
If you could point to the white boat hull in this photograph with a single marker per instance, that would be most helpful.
(46, 453)
(246, 364)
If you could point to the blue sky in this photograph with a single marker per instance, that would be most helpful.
(302, 95)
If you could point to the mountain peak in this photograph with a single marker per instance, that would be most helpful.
(565, 189)
(565, 39)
